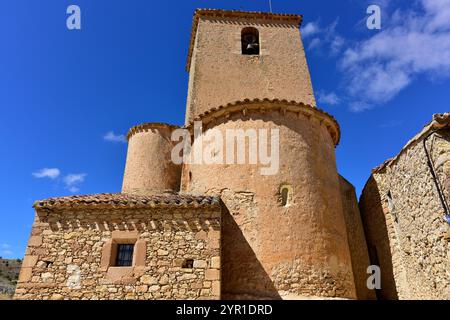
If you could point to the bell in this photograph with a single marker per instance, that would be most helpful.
(252, 46)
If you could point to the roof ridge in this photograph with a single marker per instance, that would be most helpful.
(127, 200)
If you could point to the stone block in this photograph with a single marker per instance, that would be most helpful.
(150, 280)
(29, 261)
(154, 288)
(212, 274)
(35, 241)
(215, 288)
(162, 252)
(25, 275)
(140, 253)
(215, 262)
(201, 264)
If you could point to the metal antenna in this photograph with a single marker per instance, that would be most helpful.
(270, 5)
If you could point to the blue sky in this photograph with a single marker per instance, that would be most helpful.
(68, 96)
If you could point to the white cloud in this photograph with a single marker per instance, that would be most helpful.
(336, 44)
(411, 43)
(51, 173)
(439, 14)
(359, 106)
(111, 136)
(328, 98)
(314, 43)
(72, 181)
(324, 39)
(5, 246)
(310, 29)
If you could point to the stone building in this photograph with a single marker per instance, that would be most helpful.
(404, 208)
(216, 230)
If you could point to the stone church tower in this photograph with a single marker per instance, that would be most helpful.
(229, 230)
(270, 247)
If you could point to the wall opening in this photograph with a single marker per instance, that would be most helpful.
(124, 256)
(188, 264)
(285, 195)
(250, 41)
(391, 205)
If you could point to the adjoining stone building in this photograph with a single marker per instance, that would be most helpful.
(405, 212)
(74, 248)
(226, 231)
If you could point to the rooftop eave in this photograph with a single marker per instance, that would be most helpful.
(264, 105)
(126, 201)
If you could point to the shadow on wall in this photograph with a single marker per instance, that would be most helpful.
(243, 276)
(70, 223)
(377, 238)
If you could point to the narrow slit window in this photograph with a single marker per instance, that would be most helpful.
(390, 201)
(391, 205)
(250, 41)
(124, 255)
(285, 195)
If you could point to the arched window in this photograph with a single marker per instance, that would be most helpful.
(285, 195)
(250, 41)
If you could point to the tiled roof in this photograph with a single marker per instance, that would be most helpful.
(271, 104)
(440, 121)
(123, 200)
(292, 18)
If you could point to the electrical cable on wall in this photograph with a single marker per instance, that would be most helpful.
(435, 179)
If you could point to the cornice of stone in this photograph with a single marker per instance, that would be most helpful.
(148, 126)
(266, 105)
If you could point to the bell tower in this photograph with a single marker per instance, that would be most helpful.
(283, 234)
(237, 55)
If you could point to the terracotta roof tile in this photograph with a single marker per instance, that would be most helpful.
(123, 200)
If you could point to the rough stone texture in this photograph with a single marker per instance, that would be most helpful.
(269, 250)
(407, 234)
(356, 240)
(68, 261)
(255, 248)
(295, 251)
(149, 169)
(220, 74)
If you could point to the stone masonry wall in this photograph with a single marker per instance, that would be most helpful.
(271, 250)
(219, 71)
(68, 255)
(404, 222)
(356, 240)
